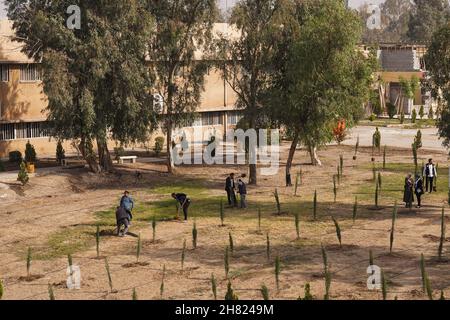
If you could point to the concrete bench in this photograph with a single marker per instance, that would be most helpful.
(133, 159)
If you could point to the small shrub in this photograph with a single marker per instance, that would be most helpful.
(371, 260)
(308, 296)
(380, 180)
(394, 218)
(277, 200)
(327, 285)
(23, 177)
(134, 295)
(341, 165)
(356, 149)
(391, 110)
(2, 290)
(384, 157)
(442, 239)
(414, 151)
(230, 295)
(163, 278)
(338, 231)
(355, 209)
(60, 153)
(108, 273)
(51, 294)
(159, 145)
(384, 286)
(30, 153)
(226, 261)
(183, 255)
(414, 116)
(214, 286)
(340, 132)
(402, 117)
(377, 139)
(97, 241)
(154, 228)
(297, 224)
(425, 279)
(418, 140)
(325, 259)
(222, 214)
(28, 262)
(15, 157)
(138, 247)
(442, 298)
(421, 112)
(268, 246)
(377, 195)
(230, 238)
(431, 113)
(265, 292)
(372, 117)
(335, 190)
(194, 235)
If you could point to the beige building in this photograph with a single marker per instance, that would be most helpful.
(22, 102)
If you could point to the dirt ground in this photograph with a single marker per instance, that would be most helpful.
(57, 213)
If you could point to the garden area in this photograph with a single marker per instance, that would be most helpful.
(314, 240)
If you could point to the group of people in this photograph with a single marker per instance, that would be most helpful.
(416, 185)
(231, 187)
(124, 214)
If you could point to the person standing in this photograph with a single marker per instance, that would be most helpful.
(408, 196)
(230, 188)
(430, 173)
(127, 203)
(418, 188)
(242, 187)
(184, 202)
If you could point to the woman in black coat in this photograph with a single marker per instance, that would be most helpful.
(418, 188)
(408, 197)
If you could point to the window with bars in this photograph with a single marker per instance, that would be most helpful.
(4, 72)
(30, 73)
(234, 117)
(24, 130)
(212, 118)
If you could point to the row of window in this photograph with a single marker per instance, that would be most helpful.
(24, 130)
(28, 72)
(216, 119)
(30, 130)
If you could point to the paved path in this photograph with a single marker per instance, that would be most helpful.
(396, 137)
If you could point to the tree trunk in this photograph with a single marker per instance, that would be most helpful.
(291, 159)
(104, 155)
(315, 161)
(89, 156)
(169, 148)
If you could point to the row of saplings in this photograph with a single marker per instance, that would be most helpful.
(230, 249)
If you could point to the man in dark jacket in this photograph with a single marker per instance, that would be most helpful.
(242, 187)
(127, 203)
(184, 202)
(230, 188)
(122, 219)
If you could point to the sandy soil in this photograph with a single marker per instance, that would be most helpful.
(60, 200)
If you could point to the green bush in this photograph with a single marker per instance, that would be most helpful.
(159, 145)
(414, 116)
(30, 153)
(23, 175)
(15, 156)
(372, 117)
(431, 113)
(421, 112)
(391, 110)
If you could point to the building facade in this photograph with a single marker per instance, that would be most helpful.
(23, 103)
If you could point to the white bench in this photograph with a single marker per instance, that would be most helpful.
(133, 159)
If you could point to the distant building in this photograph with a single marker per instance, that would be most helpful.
(399, 62)
(22, 101)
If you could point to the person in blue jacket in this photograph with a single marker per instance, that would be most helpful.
(127, 203)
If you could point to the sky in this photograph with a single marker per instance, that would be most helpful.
(223, 3)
